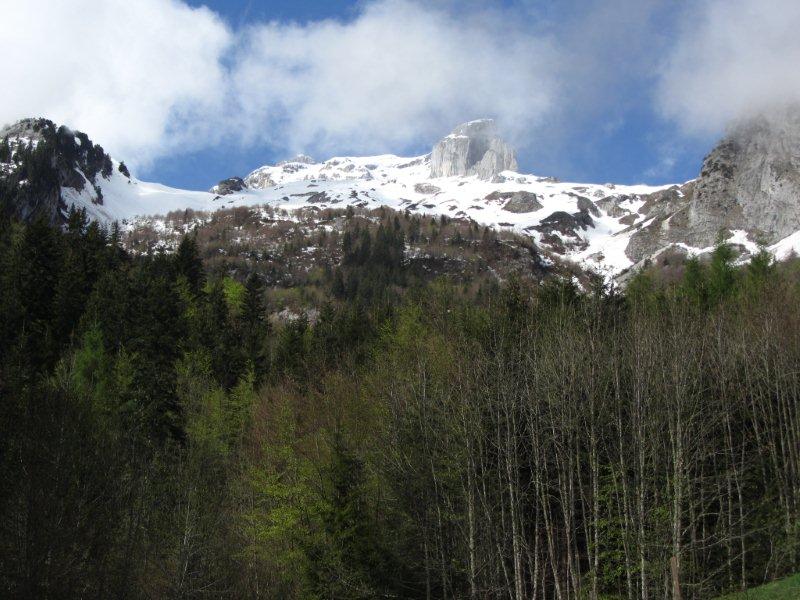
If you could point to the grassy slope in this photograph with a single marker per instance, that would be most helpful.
(785, 589)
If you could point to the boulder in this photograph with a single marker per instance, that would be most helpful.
(426, 188)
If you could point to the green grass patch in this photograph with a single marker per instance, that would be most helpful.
(784, 589)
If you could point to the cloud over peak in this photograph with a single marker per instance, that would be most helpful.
(134, 75)
(731, 59)
(398, 72)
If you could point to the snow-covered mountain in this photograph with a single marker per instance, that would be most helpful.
(471, 174)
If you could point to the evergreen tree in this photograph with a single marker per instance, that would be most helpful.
(254, 324)
(189, 264)
(694, 285)
(722, 275)
(5, 151)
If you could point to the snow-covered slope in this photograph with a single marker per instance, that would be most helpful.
(606, 228)
(126, 198)
(570, 219)
(588, 223)
(567, 218)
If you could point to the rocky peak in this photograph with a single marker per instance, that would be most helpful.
(45, 162)
(473, 148)
(751, 181)
(26, 129)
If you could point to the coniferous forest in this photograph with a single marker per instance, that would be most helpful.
(161, 437)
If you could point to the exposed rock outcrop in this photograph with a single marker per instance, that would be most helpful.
(666, 221)
(229, 186)
(473, 148)
(751, 181)
(426, 188)
(259, 179)
(46, 162)
(303, 159)
(517, 202)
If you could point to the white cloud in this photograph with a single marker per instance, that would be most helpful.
(137, 76)
(147, 77)
(732, 58)
(400, 72)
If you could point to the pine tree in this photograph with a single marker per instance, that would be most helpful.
(338, 289)
(254, 324)
(189, 264)
(694, 285)
(722, 275)
(5, 151)
(353, 564)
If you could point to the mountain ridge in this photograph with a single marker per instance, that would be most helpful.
(471, 174)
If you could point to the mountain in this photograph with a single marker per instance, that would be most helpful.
(45, 170)
(745, 194)
(748, 194)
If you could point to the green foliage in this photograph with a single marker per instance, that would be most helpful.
(695, 282)
(292, 348)
(642, 292)
(785, 589)
(189, 265)
(722, 274)
(759, 270)
(5, 151)
(371, 265)
(234, 295)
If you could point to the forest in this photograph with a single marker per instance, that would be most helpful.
(162, 437)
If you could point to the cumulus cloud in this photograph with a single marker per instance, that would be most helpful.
(135, 75)
(731, 59)
(393, 76)
(150, 76)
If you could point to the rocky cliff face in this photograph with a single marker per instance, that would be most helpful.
(40, 162)
(749, 183)
(473, 148)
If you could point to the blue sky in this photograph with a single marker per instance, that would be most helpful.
(189, 92)
(240, 12)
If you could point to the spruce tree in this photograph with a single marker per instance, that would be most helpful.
(189, 264)
(254, 324)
